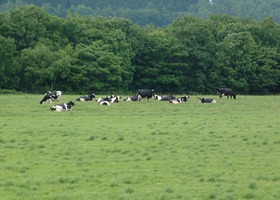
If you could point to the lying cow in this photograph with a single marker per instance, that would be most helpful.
(132, 98)
(227, 92)
(105, 98)
(145, 93)
(104, 103)
(204, 100)
(51, 96)
(111, 99)
(178, 100)
(86, 98)
(115, 99)
(63, 106)
(164, 98)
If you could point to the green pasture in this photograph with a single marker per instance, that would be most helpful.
(140, 150)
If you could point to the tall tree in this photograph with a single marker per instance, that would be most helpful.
(28, 24)
(8, 66)
(235, 61)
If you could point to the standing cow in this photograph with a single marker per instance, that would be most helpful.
(51, 96)
(145, 93)
(227, 92)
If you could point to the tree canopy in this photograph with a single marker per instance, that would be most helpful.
(78, 53)
(156, 12)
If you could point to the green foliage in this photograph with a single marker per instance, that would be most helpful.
(8, 65)
(157, 12)
(42, 52)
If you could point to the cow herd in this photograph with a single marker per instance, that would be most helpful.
(141, 94)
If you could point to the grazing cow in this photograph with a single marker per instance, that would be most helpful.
(86, 98)
(178, 100)
(164, 98)
(105, 103)
(132, 98)
(145, 93)
(227, 92)
(203, 100)
(51, 96)
(63, 106)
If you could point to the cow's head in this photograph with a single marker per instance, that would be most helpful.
(46, 97)
(71, 103)
(92, 95)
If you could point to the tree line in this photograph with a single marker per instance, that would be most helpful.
(156, 12)
(41, 52)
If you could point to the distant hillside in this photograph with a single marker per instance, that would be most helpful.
(156, 12)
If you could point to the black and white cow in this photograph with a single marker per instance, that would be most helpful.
(227, 92)
(51, 96)
(164, 98)
(86, 98)
(145, 93)
(115, 99)
(104, 103)
(105, 98)
(63, 106)
(178, 100)
(132, 98)
(111, 99)
(204, 100)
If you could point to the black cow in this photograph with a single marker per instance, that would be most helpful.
(145, 93)
(132, 98)
(63, 106)
(51, 96)
(227, 92)
(178, 100)
(203, 100)
(164, 98)
(86, 98)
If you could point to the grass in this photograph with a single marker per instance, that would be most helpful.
(140, 150)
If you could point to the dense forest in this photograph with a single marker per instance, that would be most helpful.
(40, 52)
(156, 12)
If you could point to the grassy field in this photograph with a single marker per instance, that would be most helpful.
(140, 150)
